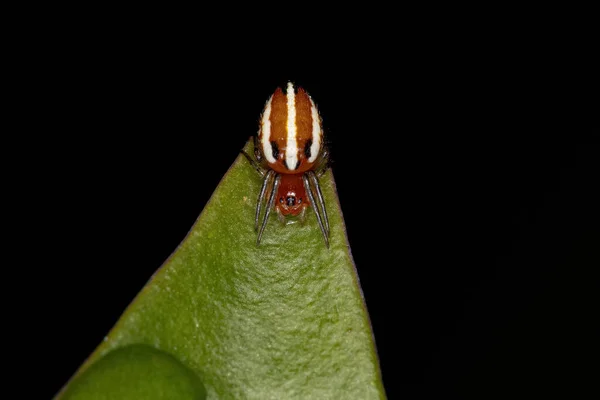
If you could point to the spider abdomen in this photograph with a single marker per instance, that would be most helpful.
(290, 135)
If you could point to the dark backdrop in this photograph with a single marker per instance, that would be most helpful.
(466, 180)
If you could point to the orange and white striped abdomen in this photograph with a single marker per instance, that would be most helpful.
(290, 134)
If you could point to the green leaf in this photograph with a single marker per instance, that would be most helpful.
(285, 319)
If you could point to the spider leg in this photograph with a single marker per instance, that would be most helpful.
(303, 214)
(308, 188)
(269, 206)
(323, 162)
(280, 216)
(261, 196)
(257, 153)
(257, 159)
(253, 162)
(315, 184)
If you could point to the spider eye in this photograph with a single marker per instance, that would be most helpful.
(299, 200)
(281, 200)
(291, 201)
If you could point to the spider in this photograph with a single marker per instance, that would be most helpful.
(290, 155)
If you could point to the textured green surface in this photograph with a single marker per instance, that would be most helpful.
(283, 320)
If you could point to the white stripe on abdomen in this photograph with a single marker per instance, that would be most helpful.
(291, 149)
(266, 132)
(316, 132)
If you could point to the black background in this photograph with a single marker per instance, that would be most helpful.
(465, 174)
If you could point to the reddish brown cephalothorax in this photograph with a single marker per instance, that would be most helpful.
(290, 154)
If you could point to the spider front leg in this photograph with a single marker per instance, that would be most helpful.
(280, 216)
(303, 215)
(270, 204)
(318, 207)
(262, 195)
(319, 196)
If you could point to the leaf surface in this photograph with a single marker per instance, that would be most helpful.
(285, 319)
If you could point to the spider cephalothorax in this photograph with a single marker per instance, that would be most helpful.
(290, 155)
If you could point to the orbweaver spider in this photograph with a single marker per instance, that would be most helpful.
(290, 155)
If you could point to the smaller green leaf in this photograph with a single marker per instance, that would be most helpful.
(136, 372)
